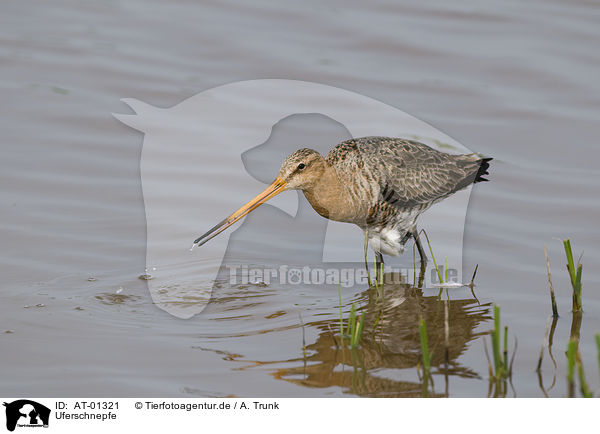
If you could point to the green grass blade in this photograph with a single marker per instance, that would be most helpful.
(358, 332)
(578, 285)
(570, 263)
(366, 262)
(341, 314)
(571, 356)
(574, 274)
(377, 321)
(446, 269)
(496, 339)
(352, 321)
(424, 346)
(361, 325)
(433, 258)
(505, 352)
(585, 390)
(597, 336)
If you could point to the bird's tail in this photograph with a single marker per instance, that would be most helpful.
(483, 170)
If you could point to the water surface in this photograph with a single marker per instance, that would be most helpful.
(514, 81)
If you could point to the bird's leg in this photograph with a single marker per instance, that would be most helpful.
(378, 260)
(422, 254)
(422, 270)
(378, 267)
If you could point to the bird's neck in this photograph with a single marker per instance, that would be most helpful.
(329, 197)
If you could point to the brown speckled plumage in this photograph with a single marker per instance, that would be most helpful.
(381, 184)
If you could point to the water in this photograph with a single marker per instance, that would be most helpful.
(516, 82)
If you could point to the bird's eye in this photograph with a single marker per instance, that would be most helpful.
(301, 166)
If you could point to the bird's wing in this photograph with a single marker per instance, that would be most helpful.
(414, 174)
(411, 174)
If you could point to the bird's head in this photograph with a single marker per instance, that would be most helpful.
(300, 171)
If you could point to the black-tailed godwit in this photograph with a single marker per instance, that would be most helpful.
(381, 184)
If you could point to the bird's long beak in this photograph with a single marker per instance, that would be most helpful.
(271, 191)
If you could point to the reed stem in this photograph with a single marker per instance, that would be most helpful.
(496, 340)
(367, 262)
(341, 315)
(426, 355)
(575, 274)
(571, 356)
(433, 258)
(552, 296)
(597, 336)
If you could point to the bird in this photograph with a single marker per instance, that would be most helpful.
(380, 184)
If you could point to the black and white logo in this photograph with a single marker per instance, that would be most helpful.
(26, 413)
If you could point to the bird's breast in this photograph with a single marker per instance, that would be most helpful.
(332, 198)
(332, 206)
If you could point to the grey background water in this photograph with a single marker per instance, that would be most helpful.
(513, 80)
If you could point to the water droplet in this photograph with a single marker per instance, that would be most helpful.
(145, 277)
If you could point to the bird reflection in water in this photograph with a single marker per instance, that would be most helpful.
(394, 345)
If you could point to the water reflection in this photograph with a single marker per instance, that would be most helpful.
(385, 363)
(393, 345)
